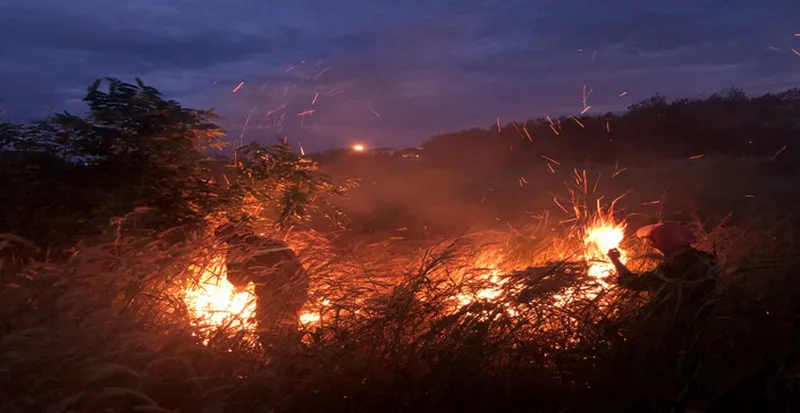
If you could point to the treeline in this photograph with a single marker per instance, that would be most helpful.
(729, 123)
(138, 156)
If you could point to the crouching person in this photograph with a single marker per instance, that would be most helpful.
(281, 282)
(684, 283)
(683, 289)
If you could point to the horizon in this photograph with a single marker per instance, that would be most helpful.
(393, 74)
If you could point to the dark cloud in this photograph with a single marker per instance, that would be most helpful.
(392, 73)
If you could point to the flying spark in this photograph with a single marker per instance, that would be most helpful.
(551, 160)
(322, 72)
(239, 86)
(779, 152)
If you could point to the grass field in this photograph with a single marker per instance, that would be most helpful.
(442, 296)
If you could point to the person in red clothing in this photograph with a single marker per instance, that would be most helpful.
(281, 282)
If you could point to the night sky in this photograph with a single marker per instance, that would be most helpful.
(392, 73)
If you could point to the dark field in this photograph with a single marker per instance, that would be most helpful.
(451, 286)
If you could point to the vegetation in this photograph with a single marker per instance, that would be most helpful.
(729, 123)
(68, 177)
(104, 216)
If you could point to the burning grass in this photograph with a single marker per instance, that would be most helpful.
(482, 275)
(461, 325)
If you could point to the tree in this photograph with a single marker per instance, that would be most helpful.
(148, 149)
(284, 187)
(66, 177)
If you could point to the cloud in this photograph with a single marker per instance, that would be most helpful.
(391, 73)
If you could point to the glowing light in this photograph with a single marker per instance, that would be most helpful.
(359, 148)
(489, 293)
(600, 237)
(311, 317)
(214, 302)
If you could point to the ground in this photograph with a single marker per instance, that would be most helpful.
(392, 341)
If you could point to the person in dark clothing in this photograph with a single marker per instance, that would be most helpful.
(686, 279)
(682, 293)
(281, 282)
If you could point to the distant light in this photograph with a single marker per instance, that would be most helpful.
(358, 148)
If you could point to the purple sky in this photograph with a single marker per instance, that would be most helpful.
(392, 73)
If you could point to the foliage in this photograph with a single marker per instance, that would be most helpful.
(69, 175)
(728, 123)
(285, 186)
(66, 177)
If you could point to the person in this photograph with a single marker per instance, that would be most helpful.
(686, 279)
(281, 282)
(683, 288)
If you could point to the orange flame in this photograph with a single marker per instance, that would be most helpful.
(489, 293)
(600, 237)
(214, 302)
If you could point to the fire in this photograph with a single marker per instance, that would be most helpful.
(309, 317)
(359, 148)
(214, 302)
(491, 285)
(602, 236)
(491, 292)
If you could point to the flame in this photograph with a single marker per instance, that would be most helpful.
(359, 148)
(489, 293)
(492, 285)
(214, 302)
(310, 317)
(600, 237)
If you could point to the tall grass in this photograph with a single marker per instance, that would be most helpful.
(106, 331)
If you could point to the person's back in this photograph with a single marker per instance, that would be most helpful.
(263, 261)
(685, 280)
(281, 282)
(682, 293)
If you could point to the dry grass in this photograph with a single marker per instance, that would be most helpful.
(107, 330)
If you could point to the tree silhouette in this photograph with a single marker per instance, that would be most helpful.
(68, 175)
(729, 123)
